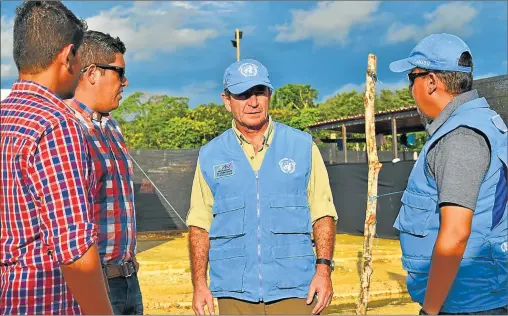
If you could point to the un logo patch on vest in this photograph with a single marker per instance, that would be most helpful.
(287, 165)
(223, 170)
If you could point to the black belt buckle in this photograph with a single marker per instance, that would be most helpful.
(128, 269)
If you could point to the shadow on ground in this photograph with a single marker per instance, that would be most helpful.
(350, 308)
(148, 240)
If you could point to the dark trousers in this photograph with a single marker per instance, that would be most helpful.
(290, 306)
(125, 295)
(495, 311)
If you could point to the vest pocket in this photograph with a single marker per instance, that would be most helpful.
(295, 263)
(415, 213)
(228, 218)
(499, 246)
(289, 214)
(227, 267)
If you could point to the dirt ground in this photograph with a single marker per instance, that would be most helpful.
(166, 281)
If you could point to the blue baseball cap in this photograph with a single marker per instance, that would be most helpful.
(245, 74)
(435, 52)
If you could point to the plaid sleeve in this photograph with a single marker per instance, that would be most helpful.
(61, 178)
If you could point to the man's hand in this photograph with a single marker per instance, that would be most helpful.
(322, 285)
(202, 297)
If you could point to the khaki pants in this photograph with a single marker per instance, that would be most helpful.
(293, 306)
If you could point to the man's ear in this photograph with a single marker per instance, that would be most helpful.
(68, 57)
(432, 83)
(92, 74)
(227, 102)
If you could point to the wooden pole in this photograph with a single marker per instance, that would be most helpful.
(237, 38)
(344, 142)
(394, 139)
(374, 167)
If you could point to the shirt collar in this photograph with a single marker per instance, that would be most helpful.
(30, 87)
(85, 111)
(454, 104)
(266, 135)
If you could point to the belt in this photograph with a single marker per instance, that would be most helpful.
(125, 269)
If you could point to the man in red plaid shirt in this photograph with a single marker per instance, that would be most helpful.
(49, 263)
(98, 93)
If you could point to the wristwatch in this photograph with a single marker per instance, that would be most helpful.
(329, 263)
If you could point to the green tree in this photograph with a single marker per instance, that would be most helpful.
(294, 96)
(212, 114)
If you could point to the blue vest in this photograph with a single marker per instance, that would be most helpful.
(260, 238)
(481, 282)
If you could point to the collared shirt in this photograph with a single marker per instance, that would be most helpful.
(46, 212)
(461, 150)
(449, 109)
(319, 192)
(114, 203)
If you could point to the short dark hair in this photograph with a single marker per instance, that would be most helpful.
(41, 30)
(100, 48)
(458, 82)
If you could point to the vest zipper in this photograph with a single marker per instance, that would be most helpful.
(259, 239)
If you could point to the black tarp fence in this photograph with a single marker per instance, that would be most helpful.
(163, 180)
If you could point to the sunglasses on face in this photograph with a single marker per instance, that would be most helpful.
(412, 76)
(119, 70)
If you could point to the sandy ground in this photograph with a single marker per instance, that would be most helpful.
(166, 281)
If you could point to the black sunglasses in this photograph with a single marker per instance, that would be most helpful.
(414, 75)
(119, 70)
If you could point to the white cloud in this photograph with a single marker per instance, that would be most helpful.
(455, 18)
(148, 28)
(7, 37)
(8, 69)
(328, 22)
(197, 92)
(380, 85)
(4, 93)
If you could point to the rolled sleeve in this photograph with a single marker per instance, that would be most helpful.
(62, 179)
(200, 211)
(319, 192)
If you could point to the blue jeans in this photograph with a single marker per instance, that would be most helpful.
(125, 295)
(495, 311)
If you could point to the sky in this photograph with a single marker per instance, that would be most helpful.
(182, 48)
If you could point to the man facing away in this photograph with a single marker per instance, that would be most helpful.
(98, 93)
(49, 263)
(260, 190)
(453, 219)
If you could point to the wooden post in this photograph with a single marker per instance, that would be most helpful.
(344, 142)
(374, 167)
(237, 38)
(394, 139)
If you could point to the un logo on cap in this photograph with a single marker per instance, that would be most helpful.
(248, 70)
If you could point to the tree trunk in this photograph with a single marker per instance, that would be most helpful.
(374, 167)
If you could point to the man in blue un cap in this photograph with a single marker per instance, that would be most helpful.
(453, 219)
(260, 190)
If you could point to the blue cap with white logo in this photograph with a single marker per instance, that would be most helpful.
(245, 74)
(435, 52)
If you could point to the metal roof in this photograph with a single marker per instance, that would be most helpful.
(408, 120)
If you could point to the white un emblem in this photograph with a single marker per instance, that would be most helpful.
(248, 70)
(287, 165)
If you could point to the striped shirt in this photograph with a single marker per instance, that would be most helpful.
(114, 202)
(46, 212)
